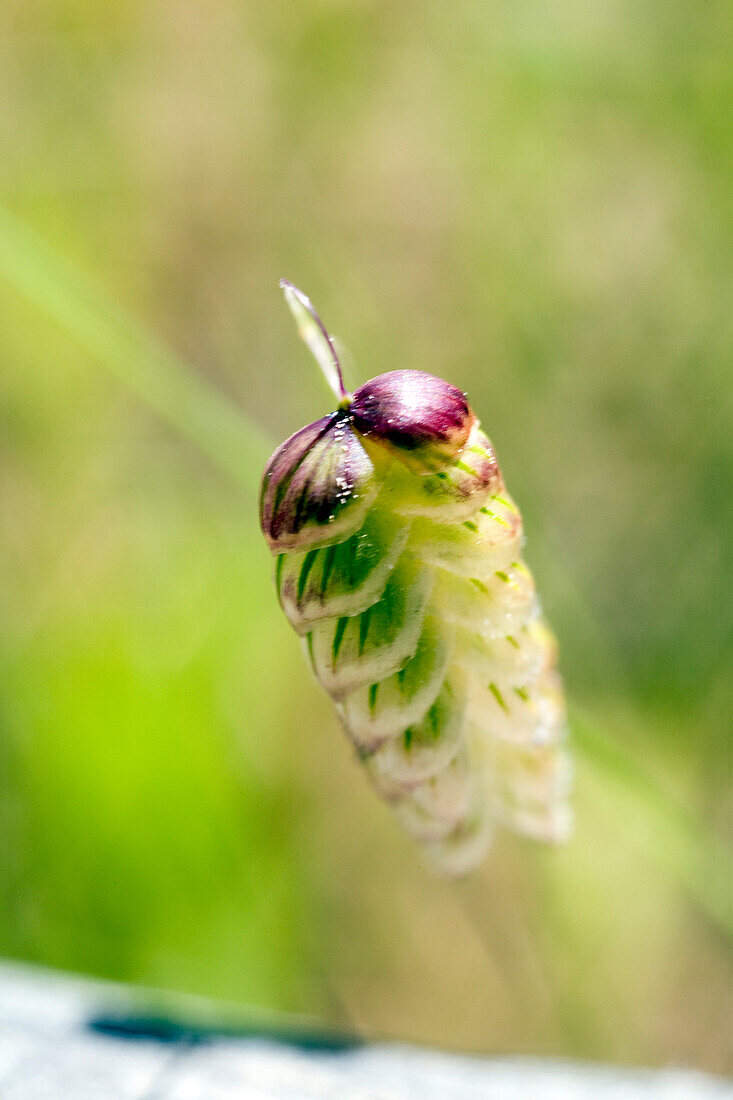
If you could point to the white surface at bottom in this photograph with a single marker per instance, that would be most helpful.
(47, 1051)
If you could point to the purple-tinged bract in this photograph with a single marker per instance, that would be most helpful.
(318, 485)
(422, 419)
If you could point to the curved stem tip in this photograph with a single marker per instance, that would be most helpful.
(312, 330)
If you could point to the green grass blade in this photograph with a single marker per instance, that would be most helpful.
(654, 822)
(137, 359)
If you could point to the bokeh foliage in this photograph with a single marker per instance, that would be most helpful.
(528, 199)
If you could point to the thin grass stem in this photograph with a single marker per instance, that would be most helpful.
(154, 373)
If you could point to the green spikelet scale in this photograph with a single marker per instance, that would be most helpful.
(398, 562)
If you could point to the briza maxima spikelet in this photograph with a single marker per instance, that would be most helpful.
(398, 562)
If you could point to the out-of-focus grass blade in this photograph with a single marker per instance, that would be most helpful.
(663, 831)
(656, 825)
(138, 360)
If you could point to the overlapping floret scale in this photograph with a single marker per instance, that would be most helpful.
(424, 627)
(343, 578)
(508, 765)
(377, 643)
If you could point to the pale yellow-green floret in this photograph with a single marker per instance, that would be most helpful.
(398, 562)
(424, 627)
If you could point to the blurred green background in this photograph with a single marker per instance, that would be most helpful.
(530, 199)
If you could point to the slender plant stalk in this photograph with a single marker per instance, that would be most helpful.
(684, 850)
(651, 819)
(153, 372)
